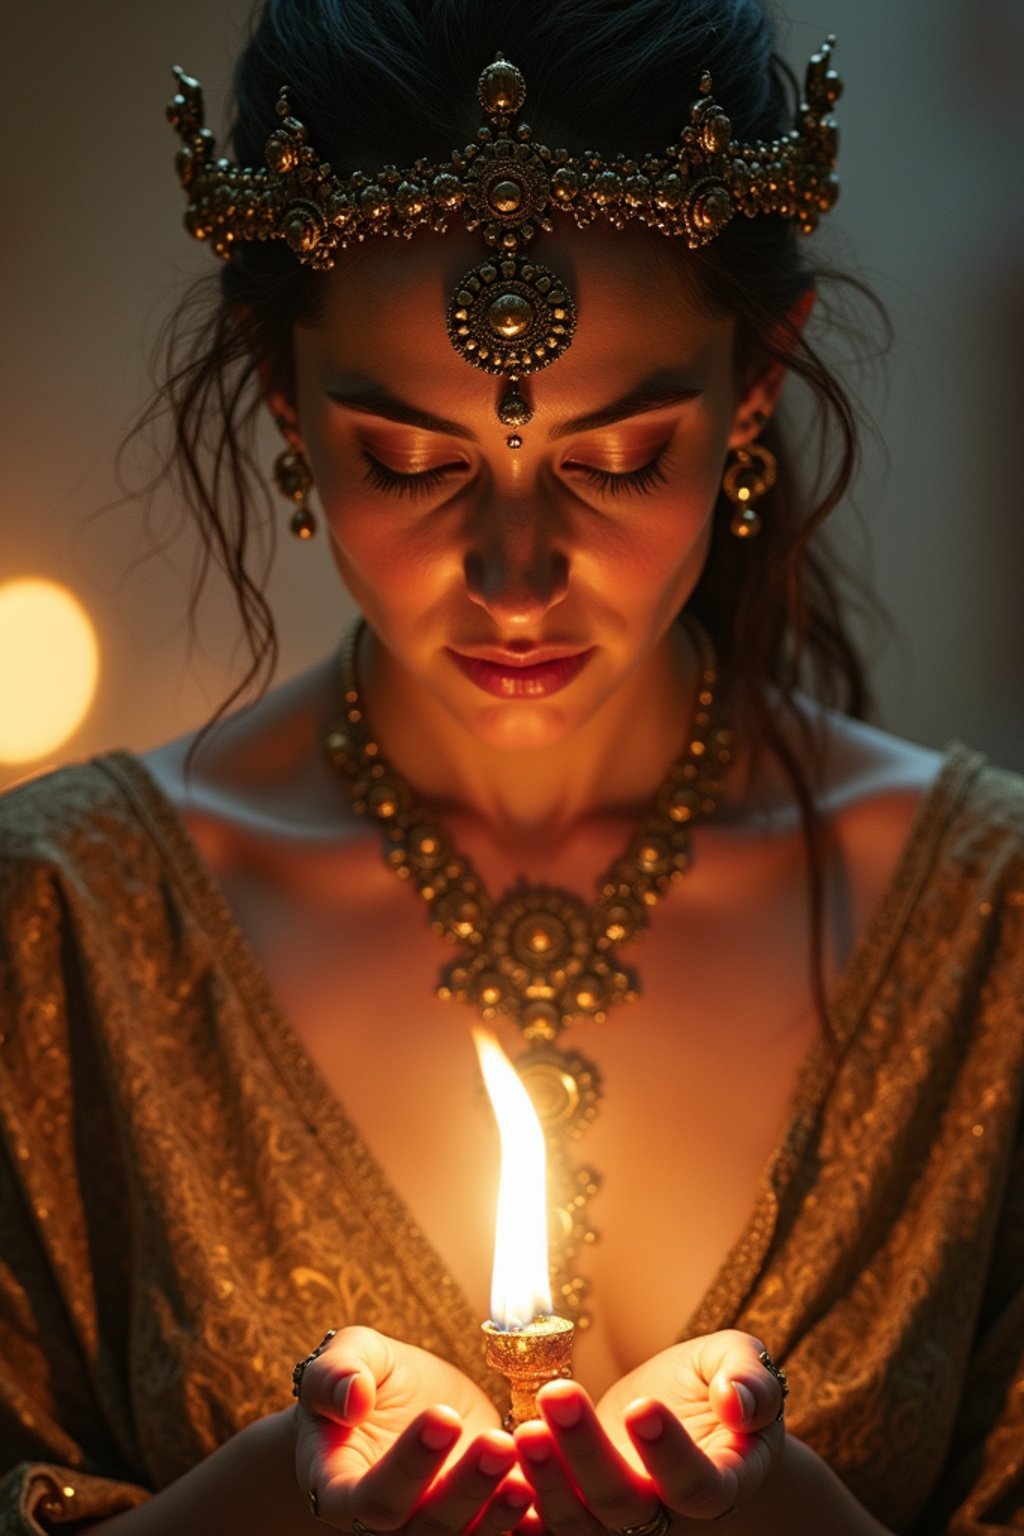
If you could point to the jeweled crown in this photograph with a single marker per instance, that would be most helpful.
(510, 315)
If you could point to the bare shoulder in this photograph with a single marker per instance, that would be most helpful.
(873, 786)
(868, 766)
(258, 777)
(865, 773)
(869, 789)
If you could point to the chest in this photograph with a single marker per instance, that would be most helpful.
(695, 1076)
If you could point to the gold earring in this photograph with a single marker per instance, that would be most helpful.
(294, 479)
(751, 473)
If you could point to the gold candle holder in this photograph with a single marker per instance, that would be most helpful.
(527, 1358)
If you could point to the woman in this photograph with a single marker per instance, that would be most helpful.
(800, 1114)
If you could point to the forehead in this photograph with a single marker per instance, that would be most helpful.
(385, 306)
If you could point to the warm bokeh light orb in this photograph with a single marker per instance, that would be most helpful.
(49, 665)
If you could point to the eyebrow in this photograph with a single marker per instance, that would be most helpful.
(381, 402)
(656, 393)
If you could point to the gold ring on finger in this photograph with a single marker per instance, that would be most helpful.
(299, 1369)
(657, 1525)
(780, 1376)
(314, 1503)
(361, 1529)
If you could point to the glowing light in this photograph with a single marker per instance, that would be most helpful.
(520, 1284)
(49, 664)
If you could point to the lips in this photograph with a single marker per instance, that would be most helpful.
(519, 655)
(534, 674)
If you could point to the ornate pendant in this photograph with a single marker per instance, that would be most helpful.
(542, 965)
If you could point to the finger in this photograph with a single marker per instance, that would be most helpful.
(531, 1524)
(746, 1400)
(341, 1384)
(686, 1480)
(608, 1486)
(459, 1495)
(554, 1497)
(386, 1496)
(507, 1510)
(743, 1392)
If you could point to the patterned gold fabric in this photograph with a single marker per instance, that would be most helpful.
(173, 1172)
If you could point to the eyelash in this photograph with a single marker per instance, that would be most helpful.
(384, 479)
(636, 482)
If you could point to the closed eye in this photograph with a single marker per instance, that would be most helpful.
(419, 484)
(631, 482)
(639, 481)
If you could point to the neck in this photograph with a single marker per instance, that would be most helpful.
(611, 766)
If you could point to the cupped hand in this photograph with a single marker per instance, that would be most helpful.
(694, 1429)
(393, 1438)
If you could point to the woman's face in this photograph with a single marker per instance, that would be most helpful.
(520, 587)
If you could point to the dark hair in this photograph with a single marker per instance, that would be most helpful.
(383, 81)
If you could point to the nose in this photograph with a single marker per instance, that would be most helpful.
(514, 565)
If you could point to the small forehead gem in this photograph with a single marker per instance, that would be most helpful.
(513, 410)
(510, 315)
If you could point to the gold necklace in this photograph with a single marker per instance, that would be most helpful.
(539, 956)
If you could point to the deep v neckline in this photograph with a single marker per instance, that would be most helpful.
(341, 1139)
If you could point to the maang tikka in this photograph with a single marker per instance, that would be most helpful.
(510, 315)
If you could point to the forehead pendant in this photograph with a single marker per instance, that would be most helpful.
(510, 315)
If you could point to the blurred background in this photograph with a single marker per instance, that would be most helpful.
(93, 256)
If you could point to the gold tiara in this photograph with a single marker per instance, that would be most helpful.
(510, 316)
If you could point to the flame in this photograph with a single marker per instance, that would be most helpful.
(520, 1284)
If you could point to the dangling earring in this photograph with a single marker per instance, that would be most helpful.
(294, 479)
(751, 473)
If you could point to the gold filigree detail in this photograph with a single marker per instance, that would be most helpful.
(509, 315)
(504, 183)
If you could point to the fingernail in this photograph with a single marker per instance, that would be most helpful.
(492, 1461)
(649, 1426)
(438, 1437)
(340, 1395)
(745, 1398)
(565, 1411)
(538, 1451)
(515, 1496)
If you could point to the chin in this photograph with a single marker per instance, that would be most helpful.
(521, 725)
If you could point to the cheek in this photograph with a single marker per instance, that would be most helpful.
(375, 540)
(652, 543)
(376, 550)
(648, 559)
(398, 577)
(658, 568)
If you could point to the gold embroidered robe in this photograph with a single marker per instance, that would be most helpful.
(184, 1206)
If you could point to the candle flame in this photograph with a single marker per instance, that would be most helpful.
(520, 1284)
